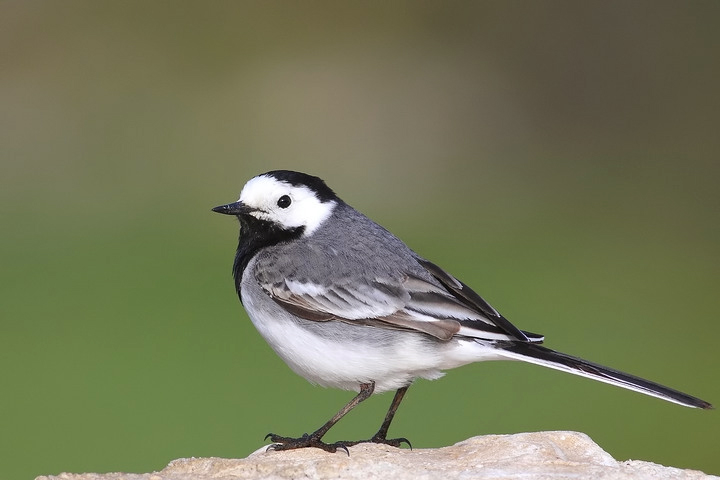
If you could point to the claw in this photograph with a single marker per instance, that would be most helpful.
(402, 440)
(393, 442)
(343, 446)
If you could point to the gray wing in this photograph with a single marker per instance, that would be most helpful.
(443, 309)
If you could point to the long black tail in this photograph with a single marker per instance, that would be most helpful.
(533, 353)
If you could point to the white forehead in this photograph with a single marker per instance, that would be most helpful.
(306, 210)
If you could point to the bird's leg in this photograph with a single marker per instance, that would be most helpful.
(315, 439)
(381, 435)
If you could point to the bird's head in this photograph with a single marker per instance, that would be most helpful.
(289, 201)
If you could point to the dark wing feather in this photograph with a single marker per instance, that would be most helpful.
(472, 299)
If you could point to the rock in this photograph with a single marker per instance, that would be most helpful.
(541, 455)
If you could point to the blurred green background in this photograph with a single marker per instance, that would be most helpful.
(560, 157)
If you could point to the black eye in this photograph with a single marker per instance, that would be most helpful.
(284, 201)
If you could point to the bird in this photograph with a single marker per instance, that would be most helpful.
(348, 305)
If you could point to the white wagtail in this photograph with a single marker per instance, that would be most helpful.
(347, 304)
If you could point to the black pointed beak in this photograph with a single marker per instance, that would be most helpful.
(236, 208)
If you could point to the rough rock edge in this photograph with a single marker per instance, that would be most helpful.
(541, 455)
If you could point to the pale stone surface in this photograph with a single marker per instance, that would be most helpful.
(527, 456)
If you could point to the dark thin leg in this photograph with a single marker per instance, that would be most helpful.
(381, 435)
(314, 439)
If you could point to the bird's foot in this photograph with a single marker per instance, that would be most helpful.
(289, 443)
(377, 438)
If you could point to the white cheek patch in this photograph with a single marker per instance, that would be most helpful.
(261, 215)
(313, 213)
